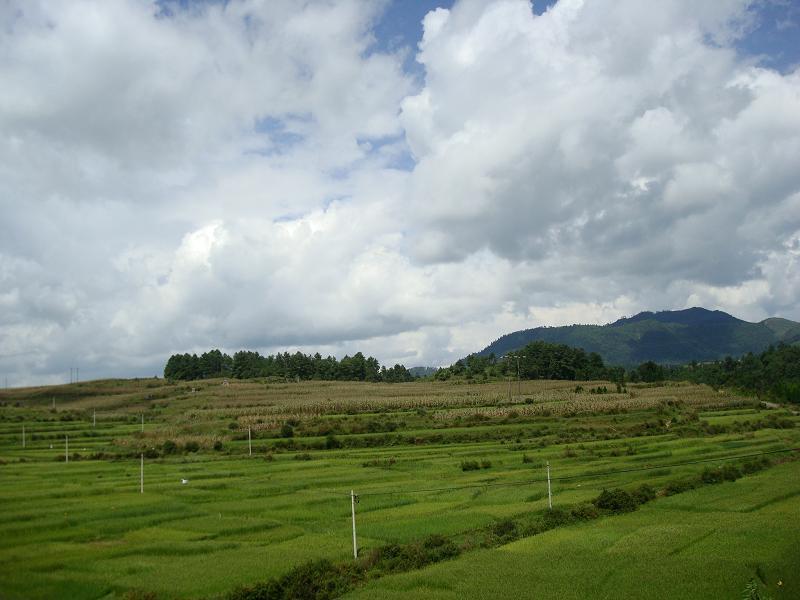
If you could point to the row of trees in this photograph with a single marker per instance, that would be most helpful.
(774, 373)
(537, 360)
(247, 364)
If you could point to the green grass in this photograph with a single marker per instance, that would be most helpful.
(707, 543)
(83, 530)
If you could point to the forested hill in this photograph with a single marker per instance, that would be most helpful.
(668, 337)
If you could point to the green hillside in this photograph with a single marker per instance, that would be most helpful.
(668, 337)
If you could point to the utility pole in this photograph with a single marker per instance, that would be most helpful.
(549, 493)
(66, 448)
(94, 417)
(70, 374)
(142, 422)
(77, 374)
(54, 402)
(141, 476)
(353, 499)
(249, 441)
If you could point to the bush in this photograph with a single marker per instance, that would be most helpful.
(755, 465)
(303, 456)
(316, 580)
(191, 446)
(470, 465)
(585, 512)
(505, 530)
(679, 486)
(169, 447)
(486, 464)
(331, 443)
(287, 431)
(615, 501)
(218, 446)
(396, 557)
(643, 494)
(556, 518)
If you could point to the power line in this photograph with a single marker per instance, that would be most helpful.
(568, 477)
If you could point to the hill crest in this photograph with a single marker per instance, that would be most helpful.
(667, 337)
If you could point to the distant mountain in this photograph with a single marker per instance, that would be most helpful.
(668, 337)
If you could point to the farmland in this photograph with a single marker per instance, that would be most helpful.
(450, 459)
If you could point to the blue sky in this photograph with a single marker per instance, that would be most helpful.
(187, 178)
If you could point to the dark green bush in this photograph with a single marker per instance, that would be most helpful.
(505, 530)
(556, 517)
(486, 464)
(316, 580)
(169, 447)
(615, 501)
(191, 446)
(585, 512)
(680, 486)
(643, 494)
(470, 465)
(397, 557)
(331, 442)
(218, 446)
(287, 430)
(755, 465)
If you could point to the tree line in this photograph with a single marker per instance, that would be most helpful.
(775, 373)
(246, 364)
(537, 360)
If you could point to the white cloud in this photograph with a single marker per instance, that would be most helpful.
(223, 175)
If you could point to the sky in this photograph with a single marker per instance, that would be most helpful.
(407, 179)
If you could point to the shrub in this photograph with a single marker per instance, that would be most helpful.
(331, 442)
(486, 464)
(287, 430)
(470, 465)
(169, 447)
(191, 446)
(396, 557)
(679, 486)
(755, 465)
(317, 580)
(505, 530)
(615, 501)
(303, 456)
(527, 459)
(585, 512)
(218, 446)
(555, 518)
(643, 494)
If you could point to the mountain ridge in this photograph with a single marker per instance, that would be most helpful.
(666, 337)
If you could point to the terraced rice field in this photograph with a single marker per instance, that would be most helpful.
(82, 529)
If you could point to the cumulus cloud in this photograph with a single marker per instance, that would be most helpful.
(255, 174)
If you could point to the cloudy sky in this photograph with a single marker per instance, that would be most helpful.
(409, 179)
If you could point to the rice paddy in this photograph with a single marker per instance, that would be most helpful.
(82, 529)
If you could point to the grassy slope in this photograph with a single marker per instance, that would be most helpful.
(82, 531)
(707, 543)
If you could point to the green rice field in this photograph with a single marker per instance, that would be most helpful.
(424, 458)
